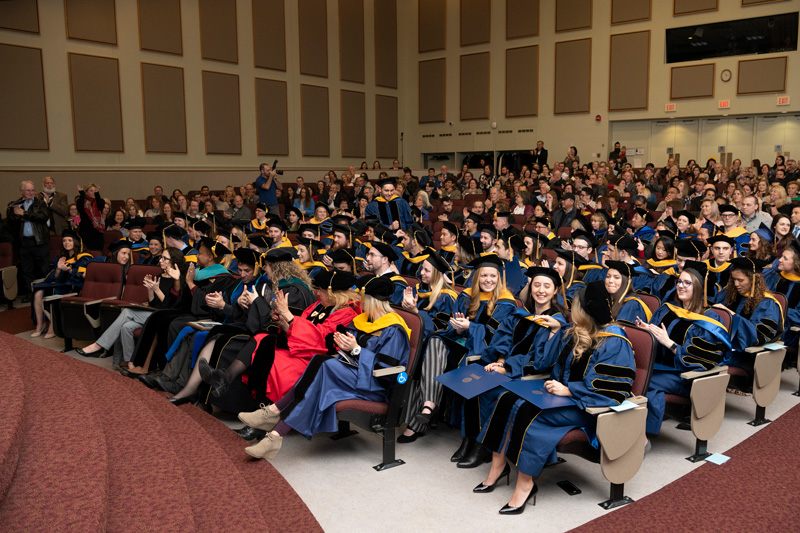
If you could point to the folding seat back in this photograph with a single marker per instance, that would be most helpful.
(644, 354)
(8, 273)
(102, 280)
(109, 237)
(80, 315)
(134, 290)
(652, 302)
(411, 280)
(564, 232)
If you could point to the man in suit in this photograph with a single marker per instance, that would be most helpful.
(539, 155)
(796, 221)
(28, 216)
(444, 176)
(58, 205)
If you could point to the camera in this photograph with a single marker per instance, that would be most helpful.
(274, 166)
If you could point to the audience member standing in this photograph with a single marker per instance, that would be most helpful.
(90, 208)
(539, 155)
(28, 217)
(267, 185)
(58, 205)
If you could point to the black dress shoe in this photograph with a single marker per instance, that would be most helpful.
(475, 457)
(148, 380)
(425, 415)
(166, 384)
(507, 509)
(489, 488)
(26, 299)
(248, 433)
(405, 439)
(214, 377)
(97, 353)
(186, 399)
(462, 450)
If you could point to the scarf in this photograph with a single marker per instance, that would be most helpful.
(96, 218)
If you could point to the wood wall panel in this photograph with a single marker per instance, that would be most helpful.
(432, 25)
(474, 91)
(572, 57)
(354, 124)
(386, 127)
(522, 81)
(476, 18)
(432, 90)
(19, 15)
(573, 15)
(269, 34)
(272, 117)
(685, 7)
(221, 113)
(160, 26)
(91, 20)
(218, 33)
(351, 40)
(630, 53)
(522, 18)
(23, 110)
(96, 103)
(164, 109)
(625, 11)
(315, 121)
(313, 24)
(385, 24)
(761, 76)
(694, 81)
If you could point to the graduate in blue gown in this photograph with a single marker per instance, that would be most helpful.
(626, 249)
(307, 256)
(757, 316)
(786, 280)
(568, 265)
(467, 249)
(391, 210)
(663, 285)
(378, 338)
(627, 306)
(690, 337)
(595, 368)
(585, 244)
(414, 240)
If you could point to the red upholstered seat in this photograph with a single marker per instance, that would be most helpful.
(652, 302)
(134, 292)
(6, 254)
(103, 280)
(363, 405)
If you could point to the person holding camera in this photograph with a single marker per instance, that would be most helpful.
(267, 187)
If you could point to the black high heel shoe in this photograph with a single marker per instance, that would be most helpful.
(186, 399)
(424, 418)
(97, 353)
(507, 509)
(461, 451)
(489, 488)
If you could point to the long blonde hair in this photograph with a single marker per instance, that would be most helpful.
(584, 330)
(438, 282)
(475, 297)
(341, 299)
(372, 307)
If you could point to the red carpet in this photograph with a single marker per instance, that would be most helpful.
(16, 320)
(757, 490)
(83, 449)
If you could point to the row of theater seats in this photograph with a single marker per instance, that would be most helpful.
(621, 434)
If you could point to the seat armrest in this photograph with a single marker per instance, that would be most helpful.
(14, 267)
(638, 400)
(473, 358)
(535, 376)
(40, 280)
(101, 300)
(55, 297)
(759, 349)
(381, 372)
(705, 373)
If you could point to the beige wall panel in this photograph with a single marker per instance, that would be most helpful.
(573, 15)
(630, 53)
(23, 112)
(685, 7)
(474, 101)
(522, 18)
(272, 117)
(315, 121)
(354, 124)
(351, 40)
(386, 127)
(218, 39)
(522, 81)
(432, 25)
(91, 20)
(19, 15)
(160, 26)
(759, 76)
(313, 22)
(269, 34)
(221, 113)
(96, 105)
(476, 18)
(571, 57)
(695, 81)
(757, 2)
(385, 27)
(624, 11)
(432, 91)
(164, 109)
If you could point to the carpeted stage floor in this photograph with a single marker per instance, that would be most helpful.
(84, 449)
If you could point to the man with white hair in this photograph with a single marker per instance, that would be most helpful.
(58, 205)
(28, 217)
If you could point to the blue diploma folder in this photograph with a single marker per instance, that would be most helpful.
(471, 380)
(534, 392)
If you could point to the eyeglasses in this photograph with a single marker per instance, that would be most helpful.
(683, 283)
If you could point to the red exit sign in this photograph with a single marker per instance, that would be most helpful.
(724, 104)
(670, 107)
(783, 100)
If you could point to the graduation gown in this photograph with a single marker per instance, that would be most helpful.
(514, 276)
(763, 325)
(741, 236)
(67, 281)
(327, 380)
(789, 286)
(601, 377)
(408, 265)
(438, 317)
(389, 211)
(633, 308)
(703, 343)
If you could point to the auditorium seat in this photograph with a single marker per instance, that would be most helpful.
(134, 292)
(8, 273)
(109, 237)
(384, 418)
(621, 434)
(652, 302)
(55, 245)
(564, 232)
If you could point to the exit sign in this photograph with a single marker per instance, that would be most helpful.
(724, 104)
(670, 108)
(783, 100)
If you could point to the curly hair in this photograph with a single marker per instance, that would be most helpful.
(758, 289)
(584, 330)
(285, 270)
